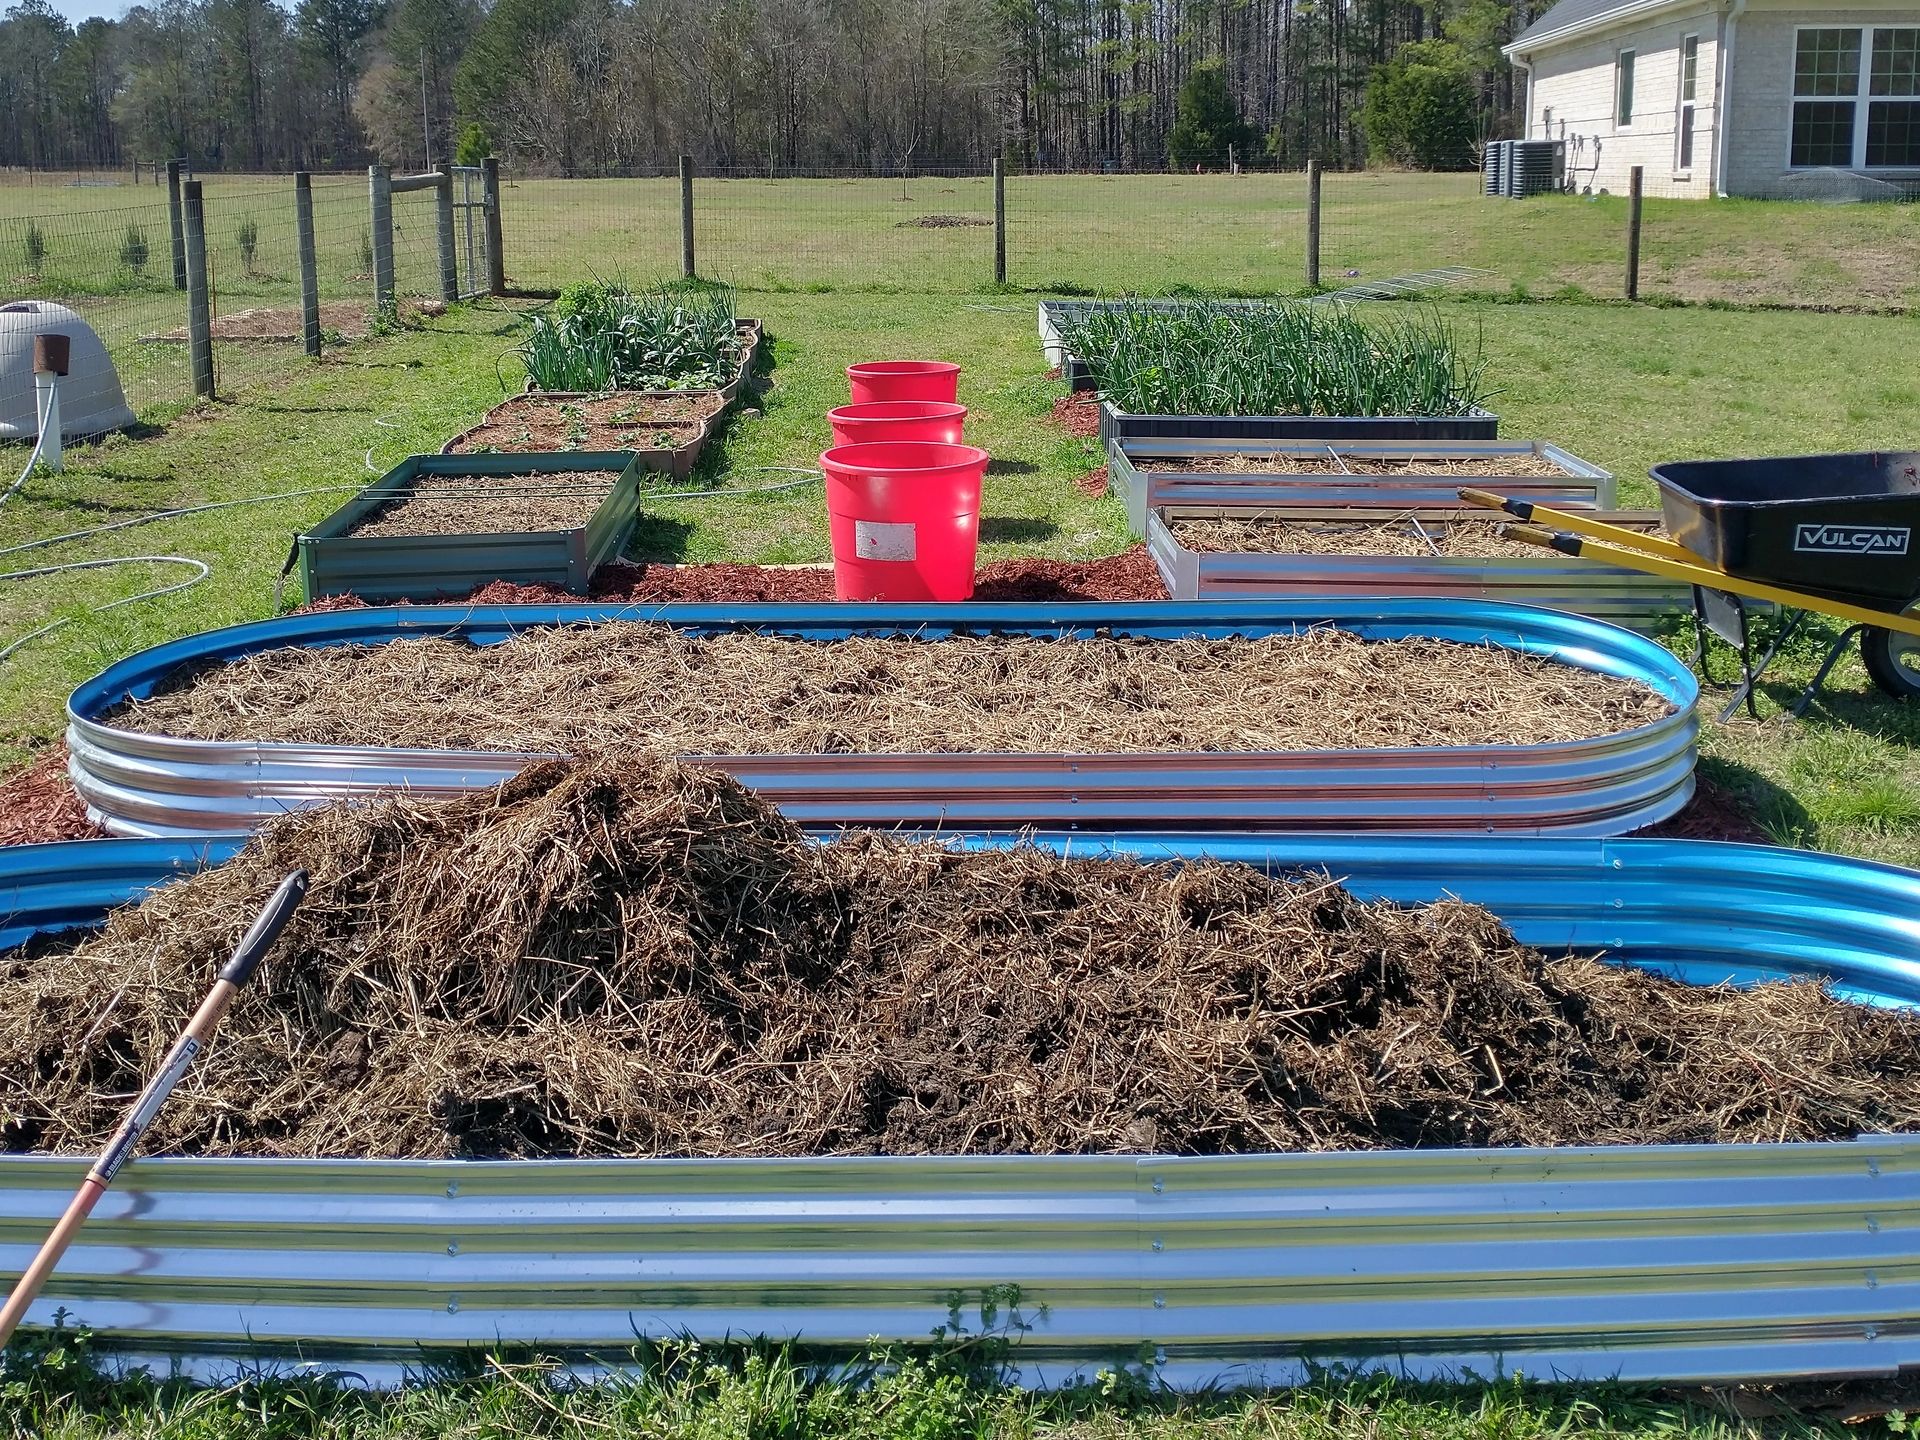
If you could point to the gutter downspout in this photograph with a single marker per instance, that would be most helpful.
(1722, 92)
(1524, 64)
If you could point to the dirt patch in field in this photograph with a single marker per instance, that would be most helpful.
(1465, 539)
(529, 424)
(623, 957)
(38, 803)
(568, 688)
(1078, 415)
(944, 222)
(346, 319)
(490, 504)
(1513, 466)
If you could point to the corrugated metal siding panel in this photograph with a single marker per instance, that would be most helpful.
(1672, 1263)
(1581, 587)
(148, 784)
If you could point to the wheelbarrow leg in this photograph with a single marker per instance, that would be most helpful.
(1838, 649)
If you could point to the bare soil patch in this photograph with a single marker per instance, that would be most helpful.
(1271, 464)
(944, 222)
(490, 504)
(349, 319)
(570, 688)
(526, 424)
(623, 957)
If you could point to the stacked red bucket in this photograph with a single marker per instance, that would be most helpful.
(903, 490)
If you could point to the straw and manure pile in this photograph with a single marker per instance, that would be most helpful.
(490, 504)
(1398, 536)
(621, 956)
(567, 688)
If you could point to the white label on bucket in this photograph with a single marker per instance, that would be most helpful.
(883, 540)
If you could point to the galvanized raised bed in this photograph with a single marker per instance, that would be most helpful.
(1612, 593)
(1132, 476)
(142, 784)
(431, 567)
(1117, 424)
(1649, 1263)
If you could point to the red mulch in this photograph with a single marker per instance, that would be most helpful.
(1129, 575)
(1078, 415)
(1712, 814)
(1093, 483)
(38, 803)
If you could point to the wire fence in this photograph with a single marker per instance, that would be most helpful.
(104, 246)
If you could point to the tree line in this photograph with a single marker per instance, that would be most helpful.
(583, 87)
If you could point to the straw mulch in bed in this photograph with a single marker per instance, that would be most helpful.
(1400, 536)
(1345, 464)
(624, 957)
(564, 689)
(491, 504)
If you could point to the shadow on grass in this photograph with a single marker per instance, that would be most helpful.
(1736, 802)
(659, 538)
(1012, 530)
(1011, 467)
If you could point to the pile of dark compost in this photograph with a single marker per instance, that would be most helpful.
(622, 956)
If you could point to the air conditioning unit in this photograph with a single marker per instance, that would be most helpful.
(1535, 167)
(1493, 167)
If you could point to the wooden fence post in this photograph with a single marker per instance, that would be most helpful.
(309, 262)
(449, 259)
(199, 294)
(380, 197)
(176, 225)
(686, 216)
(1635, 180)
(999, 220)
(496, 260)
(1313, 225)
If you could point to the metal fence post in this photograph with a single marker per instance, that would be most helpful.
(1635, 179)
(686, 216)
(1313, 225)
(199, 295)
(176, 225)
(449, 260)
(999, 220)
(380, 196)
(309, 262)
(496, 260)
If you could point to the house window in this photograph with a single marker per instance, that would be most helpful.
(1689, 88)
(1856, 97)
(1623, 89)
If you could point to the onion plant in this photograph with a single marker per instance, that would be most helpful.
(1202, 357)
(599, 337)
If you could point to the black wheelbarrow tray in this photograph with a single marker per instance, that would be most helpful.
(1820, 534)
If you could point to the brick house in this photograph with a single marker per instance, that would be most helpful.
(1776, 98)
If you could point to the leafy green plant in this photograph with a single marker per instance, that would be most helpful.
(35, 246)
(475, 145)
(598, 337)
(134, 252)
(247, 236)
(1205, 357)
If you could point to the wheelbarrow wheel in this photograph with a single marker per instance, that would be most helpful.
(1893, 660)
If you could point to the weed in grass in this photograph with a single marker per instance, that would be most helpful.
(247, 237)
(134, 252)
(34, 249)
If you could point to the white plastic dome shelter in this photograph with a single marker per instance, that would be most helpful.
(91, 400)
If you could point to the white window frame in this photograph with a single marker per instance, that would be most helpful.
(1861, 98)
(1683, 104)
(1626, 60)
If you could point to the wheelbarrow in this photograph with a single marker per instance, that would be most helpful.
(1812, 535)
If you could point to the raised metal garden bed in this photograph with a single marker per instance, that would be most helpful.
(1132, 475)
(1119, 425)
(677, 460)
(144, 784)
(750, 332)
(1673, 1264)
(334, 561)
(1612, 593)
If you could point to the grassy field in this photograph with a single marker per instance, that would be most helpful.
(1624, 387)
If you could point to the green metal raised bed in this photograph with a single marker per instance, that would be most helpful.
(333, 561)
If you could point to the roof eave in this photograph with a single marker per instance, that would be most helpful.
(1606, 19)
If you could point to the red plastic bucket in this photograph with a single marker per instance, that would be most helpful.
(903, 380)
(933, 422)
(905, 519)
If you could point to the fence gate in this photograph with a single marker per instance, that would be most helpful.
(470, 228)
